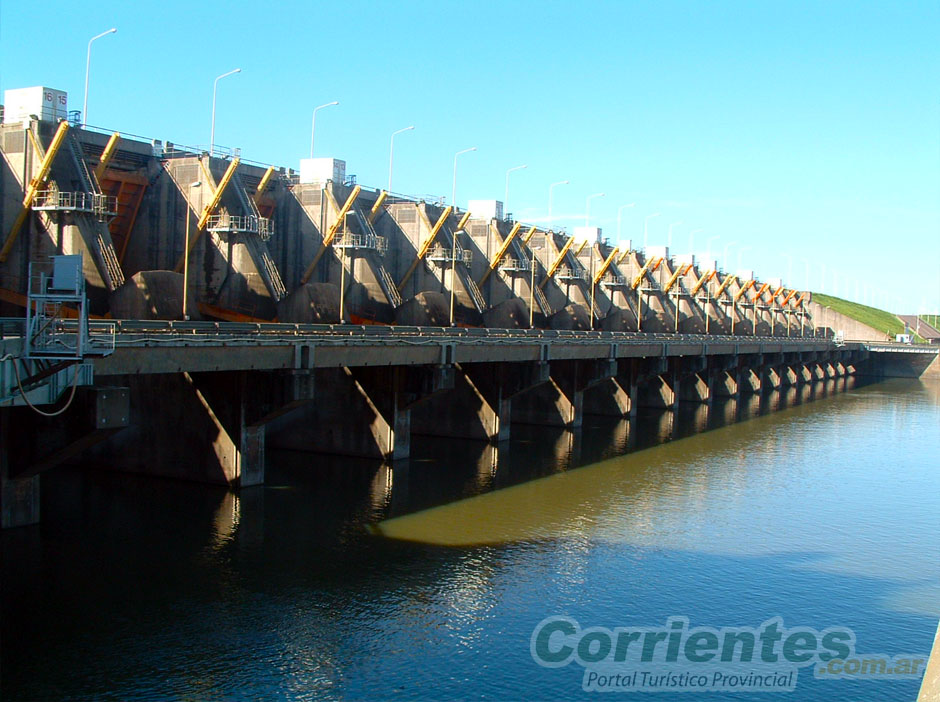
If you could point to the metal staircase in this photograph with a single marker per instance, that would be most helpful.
(389, 289)
(93, 221)
(542, 301)
(258, 231)
(463, 272)
(266, 268)
(473, 290)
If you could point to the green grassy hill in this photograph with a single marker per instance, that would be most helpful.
(872, 316)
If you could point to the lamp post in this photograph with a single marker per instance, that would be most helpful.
(313, 122)
(215, 86)
(391, 153)
(619, 216)
(506, 193)
(550, 188)
(593, 244)
(692, 240)
(669, 236)
(646, 229)
(724, 255)
(532, 266)
(587, 206)
(740, 253)
(708, 250)
(87, 69)
(186, 256)
(342, 268)
(453, 192)
(453, 273)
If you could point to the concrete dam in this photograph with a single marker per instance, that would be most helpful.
(216, 307)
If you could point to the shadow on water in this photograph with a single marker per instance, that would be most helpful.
(133, 588)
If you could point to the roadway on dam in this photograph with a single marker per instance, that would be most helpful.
(144, 347)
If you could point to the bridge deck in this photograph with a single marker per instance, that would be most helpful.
(222, 346)
(144, 347)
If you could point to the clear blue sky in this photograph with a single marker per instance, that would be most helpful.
(811, 128)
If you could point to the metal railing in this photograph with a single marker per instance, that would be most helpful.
(441, 253)
(571, 274)
(249, 224)
(349, 240)
(94, 203)
(613, 281)
(352, 333)
(511, 265)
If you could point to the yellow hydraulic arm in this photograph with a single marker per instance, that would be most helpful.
(721, 288)
(426, 245)
(463, 221)
(263, 185)
(580, 248)
(34, 185)
(208, 210)
(501, 251)
(774, 296)
(763, 289)
(107, 155)
(680, 271)
(331, 233)
(605, 265)
(799, 300)
(650, 266)
(528, 235)
(701, 281)
(377, 207)
(788, 298)
(217, 195)
(623, 256)
(744, 288)
(557, 262)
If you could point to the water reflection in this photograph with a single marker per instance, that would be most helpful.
(730, 513)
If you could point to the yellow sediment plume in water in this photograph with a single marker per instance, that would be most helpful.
(564, 504)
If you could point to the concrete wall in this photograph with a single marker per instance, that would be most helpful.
(827, 318)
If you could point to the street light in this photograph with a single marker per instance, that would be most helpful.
(453, 192)
(619, 213)
(186, 255)
(215, 86)
(724, 256)
(593, 285)
(789, 267)
(313, 122)
(391, 153)
(669, 237)
(740, 252)
(87, 68)
(587, 205)
(646, 229)
(453, 273)
(342, 267)
(532, 265)
(550, 188)
(708, 250)
(506, 193)
(692, 239)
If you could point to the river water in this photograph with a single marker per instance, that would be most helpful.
(343, 579)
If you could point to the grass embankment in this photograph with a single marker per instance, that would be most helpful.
(872, 316)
